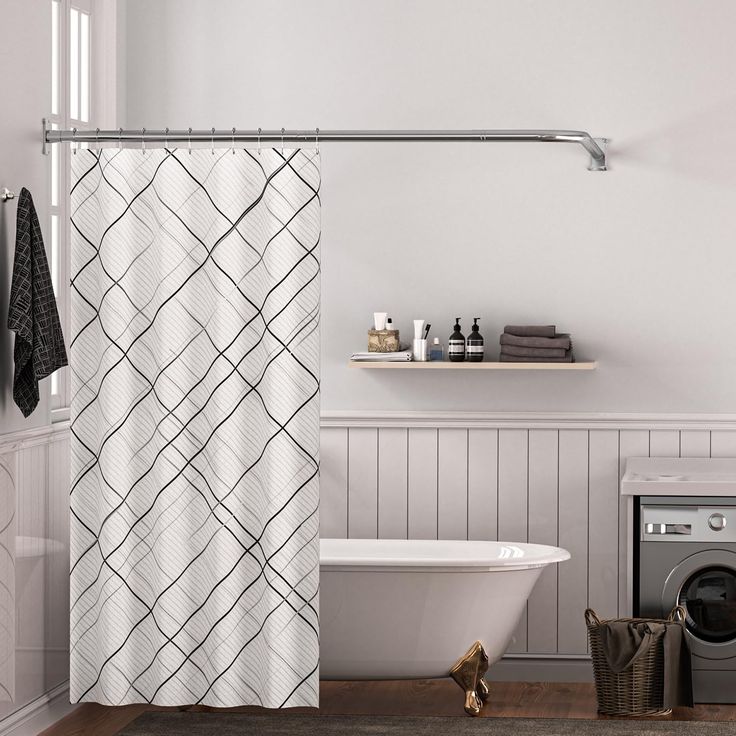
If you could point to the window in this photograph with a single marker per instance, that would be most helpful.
(82, 96)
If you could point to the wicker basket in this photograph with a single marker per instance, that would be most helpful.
(639, 689)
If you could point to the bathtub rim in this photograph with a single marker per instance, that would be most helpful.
(432, 555)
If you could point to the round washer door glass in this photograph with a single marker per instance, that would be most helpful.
(709, 597)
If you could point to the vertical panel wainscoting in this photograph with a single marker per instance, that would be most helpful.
(542, 513)
(34, 574)
(513, 503)
(422, 483)
(393, 480)
(550, 479)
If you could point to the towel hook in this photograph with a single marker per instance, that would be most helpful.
(189, 144)
(74, 142)
(6, 194)
(259, 141)
(282, 141)
(213, 141)
(143, 141)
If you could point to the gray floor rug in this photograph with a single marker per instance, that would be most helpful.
(230, 724)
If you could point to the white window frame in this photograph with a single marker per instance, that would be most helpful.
(102, 85)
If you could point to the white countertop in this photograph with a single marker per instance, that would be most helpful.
(672, 476)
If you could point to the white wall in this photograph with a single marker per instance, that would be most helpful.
(25, 97)
(638, 263)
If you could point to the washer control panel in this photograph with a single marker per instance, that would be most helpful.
(675, 523)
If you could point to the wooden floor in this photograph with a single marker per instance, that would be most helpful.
(406, 697)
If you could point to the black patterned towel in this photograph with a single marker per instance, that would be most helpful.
(32, 314)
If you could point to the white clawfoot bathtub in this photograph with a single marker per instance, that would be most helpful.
(401, 608)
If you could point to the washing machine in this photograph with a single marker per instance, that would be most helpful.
(687, 557)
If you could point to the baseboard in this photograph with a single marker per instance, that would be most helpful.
(39, 714)
(542, 669)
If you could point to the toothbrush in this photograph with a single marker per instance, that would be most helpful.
(426, 331)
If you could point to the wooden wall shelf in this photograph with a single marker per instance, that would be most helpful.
(587, 365)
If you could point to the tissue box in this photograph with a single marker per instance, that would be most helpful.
(383, 341)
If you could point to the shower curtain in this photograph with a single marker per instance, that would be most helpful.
(195, 419)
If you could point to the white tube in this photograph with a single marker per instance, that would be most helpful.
(418, 328)
(379, 320)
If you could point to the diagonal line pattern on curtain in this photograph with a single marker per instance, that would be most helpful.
(195, 427)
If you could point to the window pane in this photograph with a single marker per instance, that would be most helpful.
(84, 70)
(54, 57)
(55, 265)
(55, 175)
(55, 254)
(74, 64)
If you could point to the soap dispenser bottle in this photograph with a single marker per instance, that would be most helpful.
(456, 344)
(474, 350)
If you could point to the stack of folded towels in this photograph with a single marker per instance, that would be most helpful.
(535, 344)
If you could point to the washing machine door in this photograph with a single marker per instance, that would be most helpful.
(704, 584)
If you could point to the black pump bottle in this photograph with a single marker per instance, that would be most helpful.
(456, 344)
(474, 350)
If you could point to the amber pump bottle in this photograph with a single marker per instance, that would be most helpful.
(474, 349)
(456, 344)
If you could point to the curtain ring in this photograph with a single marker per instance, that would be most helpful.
(166, 138)
(259, 141)
(316, 140)
(282, 141)
(74, 142)
(143, 141)
(233, 141)
(190, 141)
(120, 139)
(213, 141)
(97, 138)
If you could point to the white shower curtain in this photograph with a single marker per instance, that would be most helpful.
(195, 419)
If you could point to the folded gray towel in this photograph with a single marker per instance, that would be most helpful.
(531, 330)
(560, 341)
(534, 352)
(504, 358)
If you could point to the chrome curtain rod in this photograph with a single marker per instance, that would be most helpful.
(594, 146)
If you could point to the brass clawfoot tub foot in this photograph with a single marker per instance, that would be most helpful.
(468, 673)
(482, 690)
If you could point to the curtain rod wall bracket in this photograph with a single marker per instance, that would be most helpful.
(599, 163)
(596, 147)
(45, 128)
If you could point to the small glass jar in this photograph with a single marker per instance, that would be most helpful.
(436, 352)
